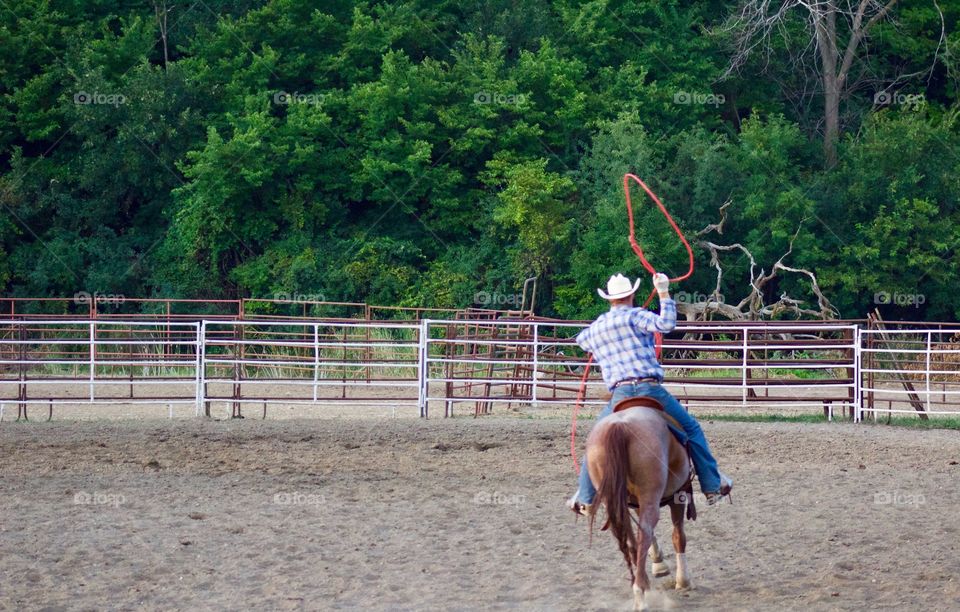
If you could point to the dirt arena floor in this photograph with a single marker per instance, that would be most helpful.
(456, 514)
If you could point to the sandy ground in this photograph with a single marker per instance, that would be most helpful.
(410, 514)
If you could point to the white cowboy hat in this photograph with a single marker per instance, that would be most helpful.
(618, 286)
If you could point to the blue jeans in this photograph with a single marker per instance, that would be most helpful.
(703, 461)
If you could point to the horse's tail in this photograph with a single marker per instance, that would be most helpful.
(614, 439)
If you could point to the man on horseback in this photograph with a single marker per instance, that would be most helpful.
(622, 342)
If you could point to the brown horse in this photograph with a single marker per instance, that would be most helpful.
(632, 456)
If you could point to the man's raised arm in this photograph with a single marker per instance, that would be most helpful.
(666, 321)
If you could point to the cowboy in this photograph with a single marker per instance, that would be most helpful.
(622, 342)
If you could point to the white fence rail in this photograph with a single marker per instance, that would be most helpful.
(481, 364)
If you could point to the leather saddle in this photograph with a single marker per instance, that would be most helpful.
(641, 401)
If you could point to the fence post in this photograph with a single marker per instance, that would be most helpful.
(93, 365)
(743, 376)
(422, 369)
(202, 386)
(316, 358)
(857, 376)
(867, 356)
(21, 368)
(536, 360)
(200, 365)
(927, 368)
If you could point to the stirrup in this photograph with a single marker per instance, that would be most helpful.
(578, 508)
(726, 486)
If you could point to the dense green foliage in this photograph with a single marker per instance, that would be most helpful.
(418, 152)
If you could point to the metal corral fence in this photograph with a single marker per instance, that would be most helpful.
(481, 363)
(911, 368)
(309, 363)
(707, 365)
(209, 363)
(98, 362)
(767, 366)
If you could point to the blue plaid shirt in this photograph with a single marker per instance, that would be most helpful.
(622, 341)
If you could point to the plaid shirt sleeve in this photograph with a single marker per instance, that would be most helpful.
(644, 320)
(583, 339)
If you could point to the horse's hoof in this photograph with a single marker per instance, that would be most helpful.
(639, 601)
(660, 570)
(683, 586)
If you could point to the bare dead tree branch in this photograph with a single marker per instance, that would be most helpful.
(752, 306)
(717, 227)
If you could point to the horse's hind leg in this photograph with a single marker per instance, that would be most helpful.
(660, 569)
(680, 545)
(641, 582)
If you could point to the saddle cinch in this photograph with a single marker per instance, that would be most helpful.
(677, 430)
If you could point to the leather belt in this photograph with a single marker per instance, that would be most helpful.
(635, 381)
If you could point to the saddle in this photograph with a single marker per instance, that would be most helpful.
(684, 495)
(649, 402)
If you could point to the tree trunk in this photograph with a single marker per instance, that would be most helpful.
(831, 116)
(826, 28)
(162, 23)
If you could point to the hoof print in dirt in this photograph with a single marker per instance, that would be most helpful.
(485, 446)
